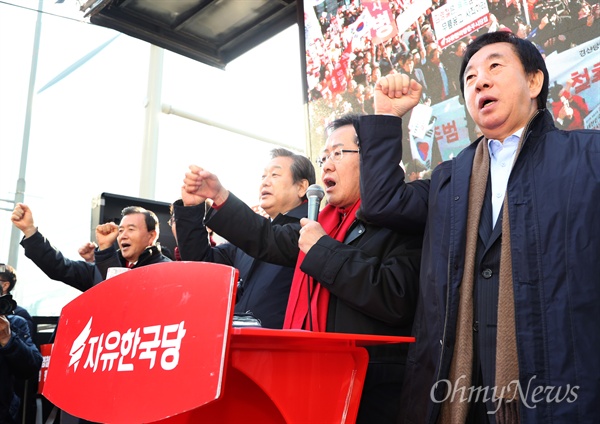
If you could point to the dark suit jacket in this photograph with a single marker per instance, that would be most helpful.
(263, 287)
(372, 278)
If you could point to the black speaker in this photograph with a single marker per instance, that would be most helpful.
(107, 207)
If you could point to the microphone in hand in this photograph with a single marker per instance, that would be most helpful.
(315, 194)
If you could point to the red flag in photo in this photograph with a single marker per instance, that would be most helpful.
(383, 26)
(338, 81)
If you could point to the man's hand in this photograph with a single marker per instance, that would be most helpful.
(565, 112)
(4, 330)
(396, 94)
(106, 234)
(190, 199)
(87, 251)
(203, 185)
(23, 220)
(310, 233)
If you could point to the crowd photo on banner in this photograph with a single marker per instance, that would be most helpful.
(350, 44)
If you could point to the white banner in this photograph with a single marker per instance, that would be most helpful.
(581, 64)
(592, 121)
(458, 18)
(411, 14)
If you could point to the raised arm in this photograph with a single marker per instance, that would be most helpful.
(239, 224)
(78, 274)
(387, 200)
(254, 234)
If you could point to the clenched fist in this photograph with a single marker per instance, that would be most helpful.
(22, 218)
(87, 251)
(106, 234)
(396, 94)
(4, 330)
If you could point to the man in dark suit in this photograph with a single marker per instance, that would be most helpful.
(356, 277)
(263, 287)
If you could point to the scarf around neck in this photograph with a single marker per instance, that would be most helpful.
(336, 222)
(456, 407)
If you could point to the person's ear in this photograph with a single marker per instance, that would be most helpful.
(153, 237)
(5, 285)
(302, 187)
(536, 82)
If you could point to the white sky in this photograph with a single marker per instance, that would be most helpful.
(87, 130)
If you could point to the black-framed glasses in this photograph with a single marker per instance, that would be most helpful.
(335, 156)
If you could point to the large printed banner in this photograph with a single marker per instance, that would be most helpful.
(458, 19)
(353, 43)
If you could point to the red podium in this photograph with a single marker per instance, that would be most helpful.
(155, 344)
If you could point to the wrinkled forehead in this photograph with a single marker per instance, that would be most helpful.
(491, 52)
(136, 220)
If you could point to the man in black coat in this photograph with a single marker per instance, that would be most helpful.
(136, 236)
(19, 359)
(25, 389)
(364, 278)
(509, 294)
(263, 287)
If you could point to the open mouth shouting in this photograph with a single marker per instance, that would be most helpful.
(486, 102)
(329, 183)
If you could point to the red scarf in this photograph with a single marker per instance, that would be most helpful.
(335, 222)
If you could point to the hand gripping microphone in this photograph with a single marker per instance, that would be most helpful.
(314, 194)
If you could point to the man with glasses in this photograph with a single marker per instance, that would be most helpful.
(263, 287)
(350, 277)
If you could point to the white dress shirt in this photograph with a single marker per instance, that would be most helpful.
(502, 156)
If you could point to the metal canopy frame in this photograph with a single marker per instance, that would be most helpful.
(213, 32)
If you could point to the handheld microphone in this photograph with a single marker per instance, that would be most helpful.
(314, 194)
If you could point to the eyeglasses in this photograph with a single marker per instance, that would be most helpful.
(335, 156)
(171, 221)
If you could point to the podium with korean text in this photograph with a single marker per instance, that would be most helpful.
(155, 344)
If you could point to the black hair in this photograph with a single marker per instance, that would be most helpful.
(530, 57)
(302, 168)
(9, 274)
(403, 57)
(385, 66)
(342, 121)
(149, 216)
